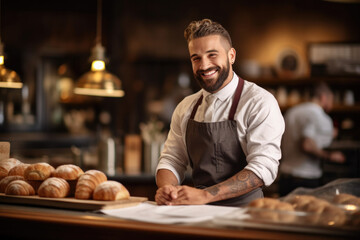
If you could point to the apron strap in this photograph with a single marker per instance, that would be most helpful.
(196, 107)
(236, 98)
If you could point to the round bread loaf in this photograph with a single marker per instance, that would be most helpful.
(54, 187)
(38, 171)
(18, 170)
(19, 187)
(110, 191)
(6, 165)
(6, 180)
(68, 172)
(87, 183)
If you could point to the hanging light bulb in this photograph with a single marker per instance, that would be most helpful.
(98, 81)
(8, 78)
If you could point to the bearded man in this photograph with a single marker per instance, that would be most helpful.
(229, 132)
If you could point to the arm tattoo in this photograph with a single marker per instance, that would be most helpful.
(214, 190)
(241, 183)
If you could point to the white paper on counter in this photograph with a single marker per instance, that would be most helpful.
(150, 212)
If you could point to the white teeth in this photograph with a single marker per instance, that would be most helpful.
(209, 73)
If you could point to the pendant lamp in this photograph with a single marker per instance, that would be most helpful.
(8, 78)
(98, 81)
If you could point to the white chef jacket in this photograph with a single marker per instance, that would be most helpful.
(304, 120)
(260, 126)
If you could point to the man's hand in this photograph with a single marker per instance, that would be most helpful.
(337, 157)
(190, 196)
(166, 194)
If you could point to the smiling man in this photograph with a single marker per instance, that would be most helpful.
(229, 132)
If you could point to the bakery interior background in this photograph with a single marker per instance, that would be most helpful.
(48, 44)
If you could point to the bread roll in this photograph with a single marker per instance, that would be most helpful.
(6, 165)
(54, 187)
(299, 201)
(68, 172)
(38, 171)
(319, 211)
(6, 180)
(19, 187)
(88, 182)
(272, 209)
(18, 170)
(344, 198)
(110, 191)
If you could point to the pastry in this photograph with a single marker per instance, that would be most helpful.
(68, 172)
(54, 187)
(38, 171)
(110, 191)
(88, 182)
(299, 201)
(318, 210)
(344, 198)
(272, 209)
(6, 165)
(19, 187)
(18, 170)
(6, 180)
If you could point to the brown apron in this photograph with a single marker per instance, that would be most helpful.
(215, 152)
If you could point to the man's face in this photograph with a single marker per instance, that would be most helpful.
(211, 59)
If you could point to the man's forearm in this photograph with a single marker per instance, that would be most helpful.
(239, 184)
(165, 177)
(309, 146)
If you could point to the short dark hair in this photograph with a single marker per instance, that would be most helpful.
(205, 27)
(319, 89)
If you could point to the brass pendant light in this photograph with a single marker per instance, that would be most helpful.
(8, 78)
(98, 81)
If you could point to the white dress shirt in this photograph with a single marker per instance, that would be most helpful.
(304, 120)
(260, 126)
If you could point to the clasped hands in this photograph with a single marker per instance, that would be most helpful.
(181, 195)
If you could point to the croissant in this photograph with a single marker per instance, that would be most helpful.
(6, 180)
(88, 182)
(344, 198)
(320, 211)
(110, 191)
(54, 187)
(19, 187)
(38, 171)
(68, 172)
(267, 205)
(6, 165)
(18, 170)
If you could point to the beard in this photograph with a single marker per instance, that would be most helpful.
(223, 75)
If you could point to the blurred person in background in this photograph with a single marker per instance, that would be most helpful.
(308, 131)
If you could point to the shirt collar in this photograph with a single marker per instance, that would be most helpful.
(226, 91)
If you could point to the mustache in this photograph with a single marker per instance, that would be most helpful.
(199, 72)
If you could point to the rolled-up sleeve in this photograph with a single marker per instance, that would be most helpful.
(264, 126)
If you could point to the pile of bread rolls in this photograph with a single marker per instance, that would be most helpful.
(306, 209)
(17, 178)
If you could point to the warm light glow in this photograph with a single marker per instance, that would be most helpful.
(11, 84)
(350, 207)
(1, 60)
(99, 92)
(98, 65)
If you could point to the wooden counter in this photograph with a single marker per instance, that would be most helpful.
(27, 222)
